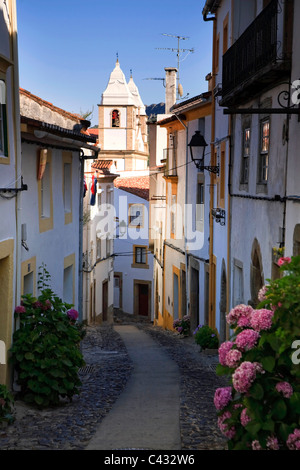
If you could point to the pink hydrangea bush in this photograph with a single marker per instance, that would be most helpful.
(260, 407)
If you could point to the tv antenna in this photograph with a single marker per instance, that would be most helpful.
(179, 51)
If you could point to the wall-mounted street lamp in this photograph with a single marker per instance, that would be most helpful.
(197, 147)
(219, 215)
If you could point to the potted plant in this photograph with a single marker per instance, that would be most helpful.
(182, 325)
(207, 338)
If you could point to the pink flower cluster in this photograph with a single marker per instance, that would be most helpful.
(284, 260)
(46, 306)
(246, 340)
(20, 309)
(223, 350)
(245, 419)
(245, 375)
(73, 314)
(256, 445)
(240, 315)
(261, 319)
(272, 443)
(285, 388)
(222, 397)
(293, 441)
(233, 358)
(262, 293)
(245, 316)
(228, 432)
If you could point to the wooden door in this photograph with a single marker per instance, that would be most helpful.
(104, 300)
(143, 300)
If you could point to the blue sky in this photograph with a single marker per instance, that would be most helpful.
(67, 48)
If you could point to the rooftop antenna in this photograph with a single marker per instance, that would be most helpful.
(179, 51)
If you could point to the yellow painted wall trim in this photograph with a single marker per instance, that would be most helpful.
(6, 304)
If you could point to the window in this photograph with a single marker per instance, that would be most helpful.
(45, 193)
(108, 247)
(217, 54)
(3, 121)
(109, 191)
(99, 198)
(264, 151)
(245, 156)
(28, 276)
(173, 214)
(225, 33)
(136, 215)
(115, 118)
(140, 255)
(200, 207)
(238, 294)
(98, 248)
(45, 190)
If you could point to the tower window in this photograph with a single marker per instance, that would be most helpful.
(115, 118)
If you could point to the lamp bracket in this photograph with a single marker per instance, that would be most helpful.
(219, 215)
(211, 169)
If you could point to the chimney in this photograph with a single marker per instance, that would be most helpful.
(171, 76)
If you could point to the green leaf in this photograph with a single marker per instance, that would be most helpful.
(257, 391)
(279, 410)
(221, 370)
(39, 400)
(285, 430)
(29, 356)
(268, 363)
(295, 402)
(268, 425)
(253, 428)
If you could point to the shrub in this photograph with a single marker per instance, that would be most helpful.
(206, 337)
(182, 325)
(46, 349)
(6, 405)
(262, 408)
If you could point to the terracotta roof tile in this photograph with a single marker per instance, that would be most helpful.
(47, 104)
(102, 164)
(138, 185)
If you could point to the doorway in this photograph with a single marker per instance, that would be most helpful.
(142, 298)
(104, 300)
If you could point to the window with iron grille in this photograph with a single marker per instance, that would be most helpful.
(245, 156)
(264, 151)
(3, 120)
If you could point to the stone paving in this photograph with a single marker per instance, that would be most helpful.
(108, 367)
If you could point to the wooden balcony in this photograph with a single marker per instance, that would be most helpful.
(259, 57)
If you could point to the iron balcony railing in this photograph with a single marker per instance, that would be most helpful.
(255, 48)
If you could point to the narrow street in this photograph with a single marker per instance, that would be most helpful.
(175, 412)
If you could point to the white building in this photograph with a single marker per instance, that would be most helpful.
(133, 261)
(98, 241)
(51, 208)
(10, 181)
(120, 277)
(253, 63)
(122, 125)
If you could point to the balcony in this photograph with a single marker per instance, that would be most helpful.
(259, 57)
